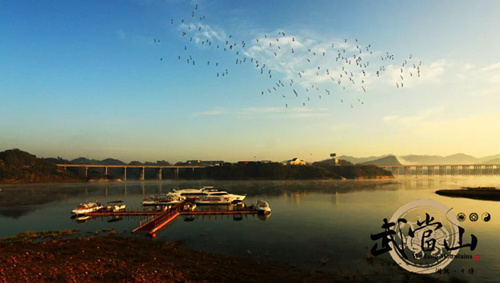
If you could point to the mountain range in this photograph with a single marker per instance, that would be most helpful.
(389, 159)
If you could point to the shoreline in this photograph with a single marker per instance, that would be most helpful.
(472, 193)
(58, 256)
(113, 258)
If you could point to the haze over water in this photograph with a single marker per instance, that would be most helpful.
(311, 221)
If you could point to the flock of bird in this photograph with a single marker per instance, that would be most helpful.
(296, 72)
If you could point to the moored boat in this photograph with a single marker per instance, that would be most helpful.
(164, 199)
(115, 206)
(201, 195)
(84, 208)
(189, 206)
(191, 194)
(213, 200)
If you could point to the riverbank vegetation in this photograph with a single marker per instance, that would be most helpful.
(17, 166)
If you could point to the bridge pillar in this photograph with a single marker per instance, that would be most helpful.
(419, 170)
(442, 170)
(141, 177)
(124, 173)
(477, 170)
(489, 169)
(177, 173)
(86, 172)
(159, 173)
(430, 170)
(105, 171)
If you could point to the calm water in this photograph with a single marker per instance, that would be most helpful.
(310, 221)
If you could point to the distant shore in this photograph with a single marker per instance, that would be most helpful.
(479, 193)
(19, 167)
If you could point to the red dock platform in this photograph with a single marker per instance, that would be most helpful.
(159, 219)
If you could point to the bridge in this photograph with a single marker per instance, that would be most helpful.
(83, 169)
(444, 169)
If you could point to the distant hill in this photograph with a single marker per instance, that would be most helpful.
(331, 162)
(107, 161)
(413, 159)
(458, 158)
(384, 161)
(17, 166)
(359, 160)
(493, 161)
(350, 171)
(490, 159)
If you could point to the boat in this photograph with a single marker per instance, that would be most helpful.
(262, 207)
(213, 200)
(200, 195)
(164, 199)
(114, 206)
(191, 194)
(189, 206)
(84, 208)
(225, 194)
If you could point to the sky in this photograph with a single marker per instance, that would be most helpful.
(150, 80)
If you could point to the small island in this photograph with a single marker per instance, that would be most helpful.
(479, 193)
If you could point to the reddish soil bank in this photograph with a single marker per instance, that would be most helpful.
(116, 259)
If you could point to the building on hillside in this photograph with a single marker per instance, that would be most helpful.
(295, 161)
(335, 159)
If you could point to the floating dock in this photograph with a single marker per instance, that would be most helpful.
(159, 219)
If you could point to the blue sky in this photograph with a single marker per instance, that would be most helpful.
(86, 78)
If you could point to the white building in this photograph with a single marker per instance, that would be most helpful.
(295, 161)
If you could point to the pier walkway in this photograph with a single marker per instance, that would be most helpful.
(156, 220)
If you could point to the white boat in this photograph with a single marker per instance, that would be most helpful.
(262, 207)
(225, 194)
(208, 191)
(219, 197)
(213, 200)
(114, 206)
(164, 199)
(84, 208)
(191, 194)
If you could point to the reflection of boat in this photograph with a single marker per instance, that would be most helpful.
(115, 219)
(264, 217)
(262, 207)
(189, 218)
(84, 208)
(82, 219)
(164, 199)
(117, 205)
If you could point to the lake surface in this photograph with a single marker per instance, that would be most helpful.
(322, 225)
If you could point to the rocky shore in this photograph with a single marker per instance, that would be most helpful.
(116, 259)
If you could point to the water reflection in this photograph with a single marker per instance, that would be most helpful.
(319, 219)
